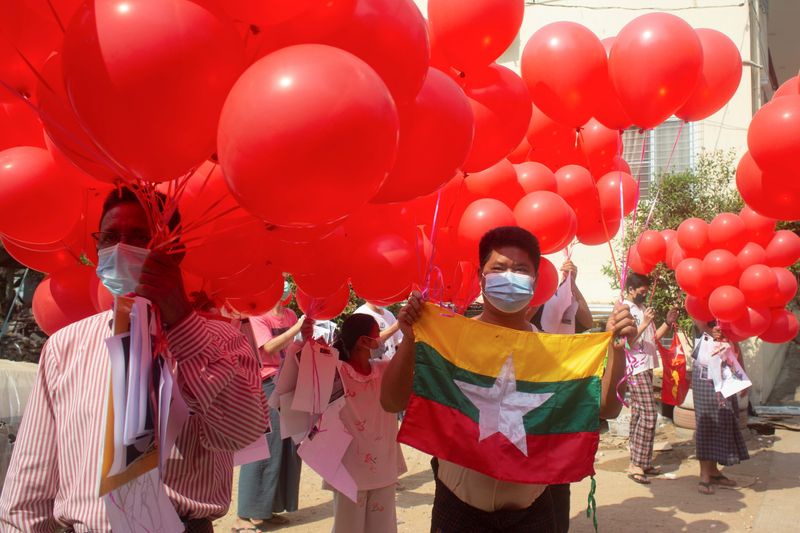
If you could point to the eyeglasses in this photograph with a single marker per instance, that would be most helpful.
(110, 238)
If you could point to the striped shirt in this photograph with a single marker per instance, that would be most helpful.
(52, 479)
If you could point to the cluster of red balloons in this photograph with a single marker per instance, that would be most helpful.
(572, 75)
(767, 175)
(733, 269)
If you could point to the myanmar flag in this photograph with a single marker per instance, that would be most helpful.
(514, 405)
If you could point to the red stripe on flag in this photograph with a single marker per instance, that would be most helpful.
(446, 433)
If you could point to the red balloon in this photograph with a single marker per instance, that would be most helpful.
(43, 258)
(651, 246)
(501, 106)
(637, 264)
(787, 287)
(258, 303)
(549, 218)
(546, 282)
(553, 144)
(608, 109)
(520, 153)
(600, 145)
(63, 298)
(595, 224)
(473, 34)
(28, 35)
(325, 308)
(789, 87)
(322, 284)
(773, 136)
(480, 217)
(608, 187)
(784, 249)
(435, 138)
(226, 251)
(670, 237)
(386, 265)
(19, 126)
(330, 143)
(783, 327)
(751, 254)
(689, 275)
(698, 308)
(562, 64)
(655, 64)
(66, 139)
(391, 37)
(693, 236)
(576, 186)
(766, 193)
(727, 303)
(727, 231)
(266, 12)
(675, 256)
(255, 278)
(533, 176)
(148, 80)
(760, 229)
(720, 267)
(498, 181)
(753, 323)
(720, 77)
(758, 284)
(39, 204)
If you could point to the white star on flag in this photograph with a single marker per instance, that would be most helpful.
(502, 407)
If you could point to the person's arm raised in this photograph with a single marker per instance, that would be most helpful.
(398, 380)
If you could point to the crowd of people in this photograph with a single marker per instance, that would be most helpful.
(227, 370)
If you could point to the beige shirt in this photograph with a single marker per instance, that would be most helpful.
(484, 492)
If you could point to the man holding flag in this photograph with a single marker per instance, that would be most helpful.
(504, 411)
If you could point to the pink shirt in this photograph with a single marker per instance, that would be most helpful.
(52, 479)
(269, 326)
(373, 458)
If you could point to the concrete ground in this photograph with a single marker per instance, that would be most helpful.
(767, 500)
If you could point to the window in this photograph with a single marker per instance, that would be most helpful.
(658, 144)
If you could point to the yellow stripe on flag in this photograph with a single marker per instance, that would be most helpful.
(483, 348)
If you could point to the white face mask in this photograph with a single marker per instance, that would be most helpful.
(507, 291)
(120, 266)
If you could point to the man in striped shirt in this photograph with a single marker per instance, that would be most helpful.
(52, 480)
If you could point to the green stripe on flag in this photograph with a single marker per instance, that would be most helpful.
(574, 406)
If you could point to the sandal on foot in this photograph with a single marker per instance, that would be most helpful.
(653, 471)
(277, 520)
(723, 481)
(706, 489)
(638, 478)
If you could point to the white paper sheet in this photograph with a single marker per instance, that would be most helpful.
(558, 314)
(324, 450)
(139, 373)
(315, 378)
(116, 354)
(287, 377)
(172, 413)
(729, 377)
(142, 506)
(294, 424)
(258, 450)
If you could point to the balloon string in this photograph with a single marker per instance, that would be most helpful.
(434, 235)
(55, 16)
(666, 171)
(626, 261)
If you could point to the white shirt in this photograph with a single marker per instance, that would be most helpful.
(643, 350)
(385, 320)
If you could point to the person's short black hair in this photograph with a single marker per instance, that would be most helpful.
(509, 236)
(126, 195)
(353, 328)
(635, 281)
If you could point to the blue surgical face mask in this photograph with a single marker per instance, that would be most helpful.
(508, 292)
(120, 266)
